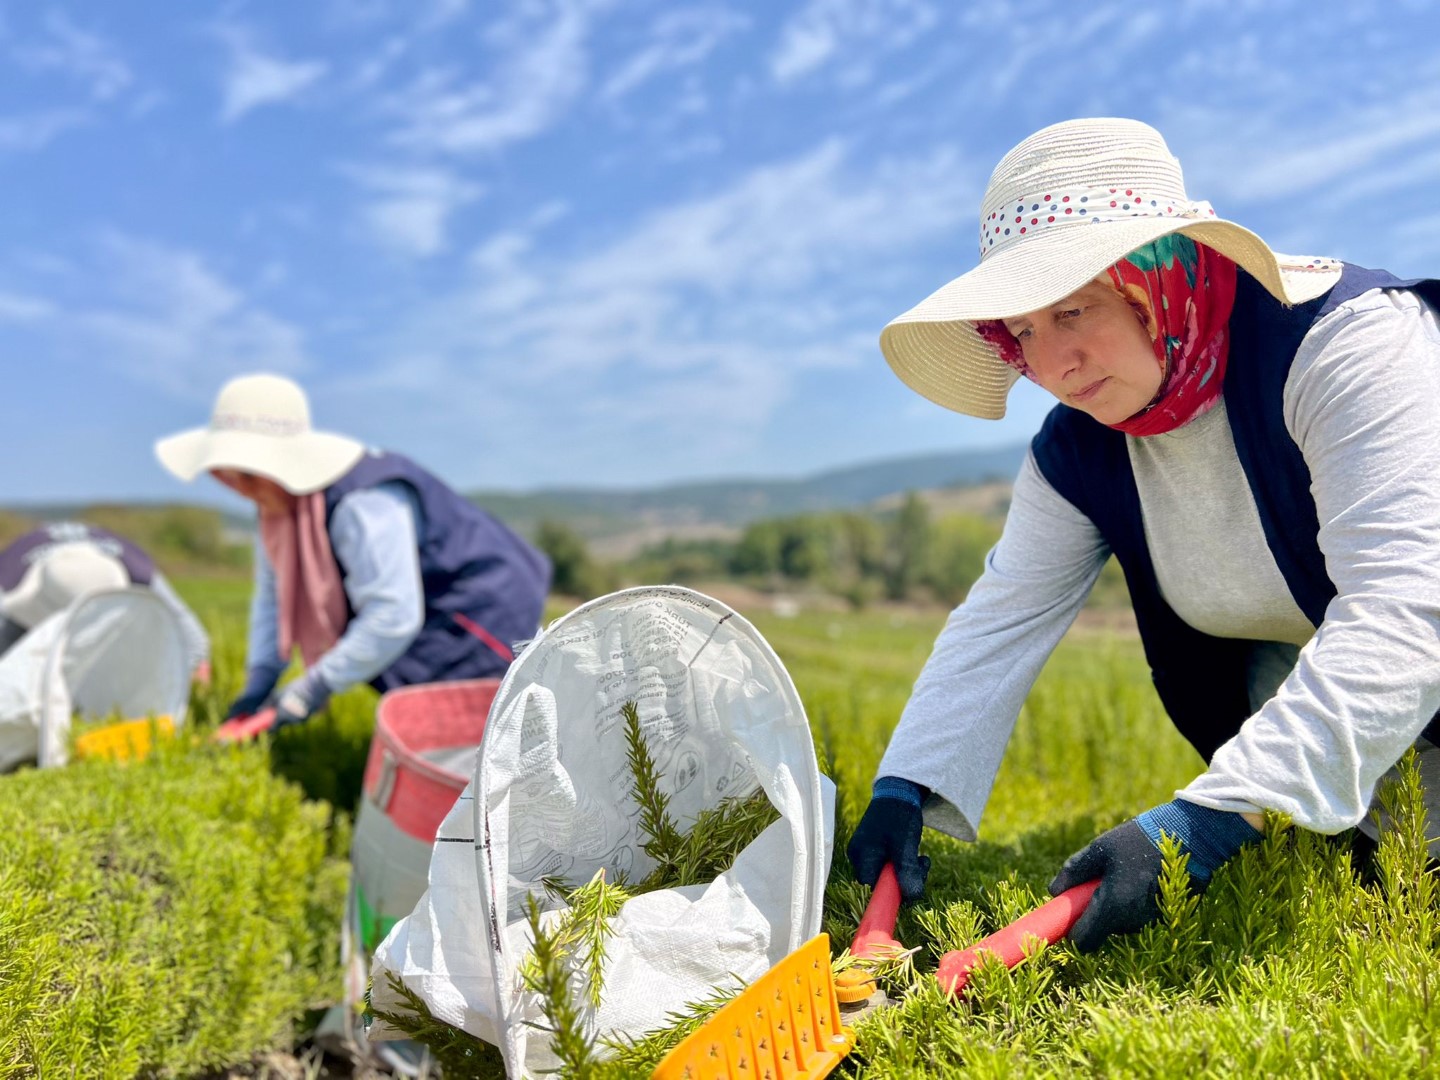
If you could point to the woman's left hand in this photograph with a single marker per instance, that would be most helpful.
(1127, 861)
(301, 699)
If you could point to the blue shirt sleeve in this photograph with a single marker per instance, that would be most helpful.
(374, 534)
(264, 664)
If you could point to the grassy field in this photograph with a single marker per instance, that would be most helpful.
(1295, 963)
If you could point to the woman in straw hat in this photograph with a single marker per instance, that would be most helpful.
(44, 571)
(1255, 437)
(375, 569)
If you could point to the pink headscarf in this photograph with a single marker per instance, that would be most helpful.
(1183, 294)
(310, 597)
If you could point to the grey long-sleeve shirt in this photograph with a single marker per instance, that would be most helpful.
(1362, 402)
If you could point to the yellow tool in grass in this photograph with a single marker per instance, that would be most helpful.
(128, 740)
(757, 1036)
(784, 1026)
(787, 1024)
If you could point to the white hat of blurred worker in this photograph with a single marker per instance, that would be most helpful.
(61, 576)
(1063, 206)
(261, 425)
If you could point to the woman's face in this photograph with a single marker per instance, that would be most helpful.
(1092, 352)
(269, 496)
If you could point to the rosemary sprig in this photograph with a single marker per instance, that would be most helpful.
(665, 841)
(546, 973)
(581, 932)
(719, 834)
(457, 1052)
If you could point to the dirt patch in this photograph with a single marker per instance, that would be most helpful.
(306, 1063)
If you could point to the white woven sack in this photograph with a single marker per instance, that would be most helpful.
(116, 652)
(551, 797)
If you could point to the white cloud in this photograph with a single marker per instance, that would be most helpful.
(255, 79)
(1276, 161)
(1031, 57)
(81, 54)
(1413, 246)
(425, 22)
(539, 67)
(16, 308)
(378, 64)
(31, 132)
(823, 28)
(700, 146)
(1350, 182)
(413, 208)
(364, 14)
(678, 39)
(1417, 169)
(442, 12)
(170, 320)
(669, 349)
(355, 14)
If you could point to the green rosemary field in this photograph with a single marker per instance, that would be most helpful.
(170, 918)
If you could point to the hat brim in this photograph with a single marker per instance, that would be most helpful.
(936, 351)
(45, 589)
(301, 464)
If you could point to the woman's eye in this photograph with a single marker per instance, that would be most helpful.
(1021, 335)
(1069, 313)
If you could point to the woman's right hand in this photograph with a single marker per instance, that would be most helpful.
(889, 832)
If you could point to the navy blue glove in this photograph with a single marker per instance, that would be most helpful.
(252, 699)
(1128, 862)
(889, 832)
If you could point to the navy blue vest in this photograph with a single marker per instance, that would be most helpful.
(25, 551)
(1202, 680)
(484, 586)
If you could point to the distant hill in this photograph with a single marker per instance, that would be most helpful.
(621, 519)
(241, 526)
(599, 513)
(180, 537)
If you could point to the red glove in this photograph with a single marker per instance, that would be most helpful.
(246, 727)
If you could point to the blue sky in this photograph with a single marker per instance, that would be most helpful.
(610, 243)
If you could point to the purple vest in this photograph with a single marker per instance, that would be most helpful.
(34, 546)
(484, 586)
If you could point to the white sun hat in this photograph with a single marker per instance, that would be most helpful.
(63, 575)
(1065, 204)
(261, 425)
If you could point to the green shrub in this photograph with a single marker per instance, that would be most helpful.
(144, 926)
(325, 756)
(162, 917)
(1292, 964)
(574, 571)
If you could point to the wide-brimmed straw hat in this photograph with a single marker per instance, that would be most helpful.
(52, 583)
(1069, 201)
(261, 425)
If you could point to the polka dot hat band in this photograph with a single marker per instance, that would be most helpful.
(1095, 206)
(1063, 205)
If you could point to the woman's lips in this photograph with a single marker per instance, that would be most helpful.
(1090, 391)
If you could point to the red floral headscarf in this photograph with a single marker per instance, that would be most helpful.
(1182, 293)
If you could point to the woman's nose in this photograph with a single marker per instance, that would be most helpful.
(1052, 358)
